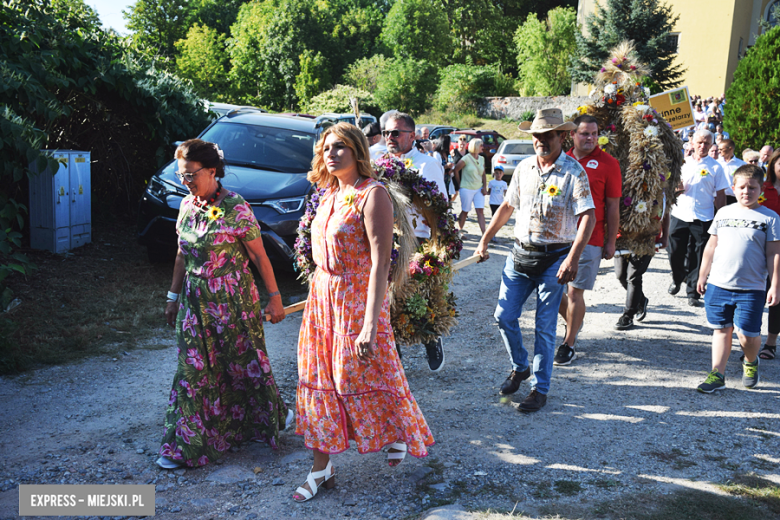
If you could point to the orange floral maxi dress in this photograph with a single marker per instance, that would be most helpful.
(340, 397)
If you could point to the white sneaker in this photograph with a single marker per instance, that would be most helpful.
(290, 418)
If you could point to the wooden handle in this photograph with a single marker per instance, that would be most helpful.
(464, 263)
(296, 307)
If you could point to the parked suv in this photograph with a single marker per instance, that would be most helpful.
(436, 131)
(490, 141)
(267, 157)
(326, 120)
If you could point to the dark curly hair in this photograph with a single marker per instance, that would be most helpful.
(202, 152)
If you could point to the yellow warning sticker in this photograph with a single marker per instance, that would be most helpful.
(81, 189)
(80, 159)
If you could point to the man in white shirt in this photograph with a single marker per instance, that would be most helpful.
(379, 149)
(702, 191)
(730, 164)
(399, 136)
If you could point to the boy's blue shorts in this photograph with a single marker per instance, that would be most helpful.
(742, 309)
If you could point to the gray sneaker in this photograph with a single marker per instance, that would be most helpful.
(750, 374)
(640, 315)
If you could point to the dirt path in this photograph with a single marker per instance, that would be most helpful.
(623, 418)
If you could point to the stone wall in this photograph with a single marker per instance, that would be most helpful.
(514, 107)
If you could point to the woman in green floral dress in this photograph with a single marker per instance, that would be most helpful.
(223, 392)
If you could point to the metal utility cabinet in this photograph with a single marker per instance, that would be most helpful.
(61, 204)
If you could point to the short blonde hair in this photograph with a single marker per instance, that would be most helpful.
(474, 144)
(353, 137)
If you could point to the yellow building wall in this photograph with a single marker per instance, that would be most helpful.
(709, 45)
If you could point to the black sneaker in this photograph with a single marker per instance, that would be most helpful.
(714, 381)
(435, 352)
(625, 322)
(512, 382)
(642, 310)
(674, 288)
(565, 355)
(533, 403)
(693, 302)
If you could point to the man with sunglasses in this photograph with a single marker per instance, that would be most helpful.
(399, 137)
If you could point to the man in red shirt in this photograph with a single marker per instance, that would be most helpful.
(606, 187)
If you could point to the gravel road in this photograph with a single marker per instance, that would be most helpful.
(624, 417)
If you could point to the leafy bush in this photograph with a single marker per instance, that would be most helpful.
(406, 85)
(337, 100)
(418, 30)
(203, 59)
(753, 113)
(462, 86)
(313, 77)
(66, 83)
(528, 115)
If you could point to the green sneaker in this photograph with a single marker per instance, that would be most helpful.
(750, 374)
(714, 381)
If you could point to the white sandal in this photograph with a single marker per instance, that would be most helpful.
(399, 455)
(290, 420)
(166, 463)
(311, 480)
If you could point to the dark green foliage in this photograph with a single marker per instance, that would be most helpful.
(418, 29)
(462, 86)
(646, 22)
(65, 83)
(753, 114)
(406, 85)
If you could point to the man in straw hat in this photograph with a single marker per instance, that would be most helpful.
(550, 192)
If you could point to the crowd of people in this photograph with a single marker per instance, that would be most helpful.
(723, 235)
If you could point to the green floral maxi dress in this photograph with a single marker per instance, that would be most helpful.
(224, 391)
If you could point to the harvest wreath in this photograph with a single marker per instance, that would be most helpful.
(423, 307)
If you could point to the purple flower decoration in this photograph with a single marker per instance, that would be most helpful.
(646, 165)
(663, 179)
(603, 69)
(627, 201)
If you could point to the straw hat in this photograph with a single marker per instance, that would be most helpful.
(546, 120)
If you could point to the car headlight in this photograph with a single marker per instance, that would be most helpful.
(160, 188)
(284, 206)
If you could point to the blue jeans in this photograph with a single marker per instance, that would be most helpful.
(515, 290)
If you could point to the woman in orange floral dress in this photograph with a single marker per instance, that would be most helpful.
(351, 384)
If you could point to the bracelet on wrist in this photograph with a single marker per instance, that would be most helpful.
(275, 293)
(172, 297)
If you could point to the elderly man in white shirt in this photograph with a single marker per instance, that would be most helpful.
(399, 136)
(702, 191)
(730, 163)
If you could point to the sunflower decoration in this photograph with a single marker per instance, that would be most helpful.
(215, 213)
(761, 198)
(649, 153)
(552, 190)
(704, 172)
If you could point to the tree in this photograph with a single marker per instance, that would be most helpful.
(337, 100)
(313, 78)
(544, 50)
(158, 24)
(202, 59)
(753, 114)
(364, 72)
(406, 85)
(646, 22)
(418, 30)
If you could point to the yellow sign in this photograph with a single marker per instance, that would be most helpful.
(675, 107)
(81, 189)
(80, 159)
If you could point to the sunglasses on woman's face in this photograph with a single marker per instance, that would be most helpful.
(753, 161)
(394, 133)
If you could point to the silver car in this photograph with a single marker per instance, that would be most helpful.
(510, 154)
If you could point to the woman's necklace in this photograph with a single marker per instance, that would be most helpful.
(204, 205)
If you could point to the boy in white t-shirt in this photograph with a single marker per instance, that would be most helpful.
(496, 189)
(744, 248)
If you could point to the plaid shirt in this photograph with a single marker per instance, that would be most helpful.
(549, 204)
